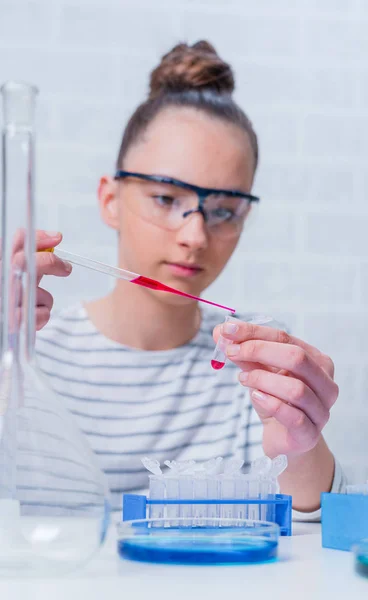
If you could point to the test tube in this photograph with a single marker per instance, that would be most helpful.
(212, 468)
(156, 487)
(253, 509)
(227, 492)
(186, 493)
(219, 356)
(172, 493)
(264, 494)
(241, 493)
(200, 492)
(156, 492)
(213, 510)
(278, 466)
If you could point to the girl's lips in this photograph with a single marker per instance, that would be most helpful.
(182, 270)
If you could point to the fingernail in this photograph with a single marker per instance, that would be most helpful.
(68, 266)
(233, 349)
(230, 328)
(52, 234)
(256, 395)
(244, 376)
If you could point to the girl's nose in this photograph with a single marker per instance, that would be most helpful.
(193, 232)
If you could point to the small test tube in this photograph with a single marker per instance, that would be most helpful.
(258, 472)
(210, 473)
(172, 493)
(213, 510)
(228, 482)
(219, 356)
(253, 509)
(273, 489)
(186, 493)
(156, 487)
(227, 492)
(264, 494)
(278, 466)
(242, 493)
(156, 492)
(200, 492)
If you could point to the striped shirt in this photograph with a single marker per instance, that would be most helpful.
(130, 403)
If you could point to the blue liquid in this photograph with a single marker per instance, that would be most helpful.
(361, 564)
(199, 551)
(361, 558)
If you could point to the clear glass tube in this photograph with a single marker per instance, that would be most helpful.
(95, 265)
(54, 505)
(17, 205)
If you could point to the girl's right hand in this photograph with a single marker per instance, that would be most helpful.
(47, 263)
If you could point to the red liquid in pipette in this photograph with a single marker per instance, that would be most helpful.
(217, 364)
(156, 285)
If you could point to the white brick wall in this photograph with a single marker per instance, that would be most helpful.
(302, 76)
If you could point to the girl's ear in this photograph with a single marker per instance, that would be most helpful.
(108, 201)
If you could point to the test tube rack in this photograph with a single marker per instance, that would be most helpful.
(279, 507)
(344, 520)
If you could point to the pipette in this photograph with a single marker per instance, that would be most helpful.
(95, 265)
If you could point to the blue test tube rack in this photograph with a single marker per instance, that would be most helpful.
(135, 507)
(344, 520)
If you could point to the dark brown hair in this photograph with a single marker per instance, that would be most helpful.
(189, 76)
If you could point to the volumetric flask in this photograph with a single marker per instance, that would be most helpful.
(54, 508)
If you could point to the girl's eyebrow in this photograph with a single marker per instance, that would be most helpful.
(166, 184)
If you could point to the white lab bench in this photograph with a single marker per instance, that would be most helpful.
(304, 570)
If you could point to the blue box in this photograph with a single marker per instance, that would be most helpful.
(344, 520)
(135, 507)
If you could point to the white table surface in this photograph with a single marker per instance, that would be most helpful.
(304, 570)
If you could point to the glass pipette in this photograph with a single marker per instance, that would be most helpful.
(95, 265)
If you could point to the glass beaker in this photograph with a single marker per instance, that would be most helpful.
(54, 504)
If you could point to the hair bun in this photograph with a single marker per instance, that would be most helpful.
(196, 67)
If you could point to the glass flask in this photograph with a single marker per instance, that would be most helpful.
(54, 504)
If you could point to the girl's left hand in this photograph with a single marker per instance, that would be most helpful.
(291, 384)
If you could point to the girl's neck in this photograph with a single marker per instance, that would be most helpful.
(137, 317)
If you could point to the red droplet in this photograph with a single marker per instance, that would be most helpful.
(217, 364)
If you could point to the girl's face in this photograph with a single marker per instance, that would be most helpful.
(184, 144)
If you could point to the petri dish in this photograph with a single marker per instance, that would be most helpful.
(198, 541)
(361, 558)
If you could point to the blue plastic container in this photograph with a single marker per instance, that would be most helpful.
(344, 520)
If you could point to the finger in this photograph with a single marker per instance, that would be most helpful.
(47, 239)
(291, 391)
(299, 432)
(44, 240)
(48, 263)
(42, 317)
(244, 365)
(44, 304)
(44, 299)
(293, 359)
(249, 331)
